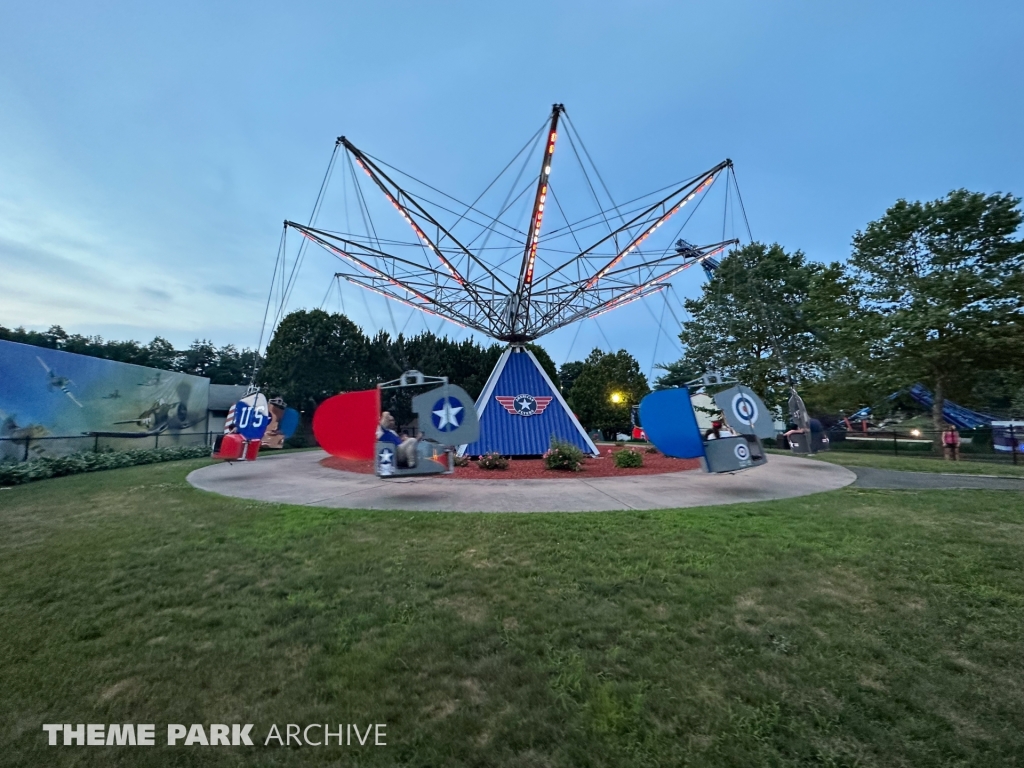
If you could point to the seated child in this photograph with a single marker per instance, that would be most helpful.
(405, 447)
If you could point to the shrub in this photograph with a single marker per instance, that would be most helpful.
(628, 459)
(651, 449)
(460, 461)
(562, 455)
(75, 463)
(493, 460)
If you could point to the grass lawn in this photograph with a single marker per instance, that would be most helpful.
(855, 628)
(918, 463)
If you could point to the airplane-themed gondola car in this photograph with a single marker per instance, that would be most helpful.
(246, 422)
(733, 444)
(352, 426)
(447, 418)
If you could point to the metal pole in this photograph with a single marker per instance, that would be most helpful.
(895, 446)
(27, 441)
(1013, 444)
(96, 444)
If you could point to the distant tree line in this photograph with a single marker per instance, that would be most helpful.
(224, 365)
(314, 355)
(933, 293)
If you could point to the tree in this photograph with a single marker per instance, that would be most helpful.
(545, 362)
(757, 320)
(314, 355)
(602, 376)
(199, 359)
(160, 353)
(942, 286)
(568, 374)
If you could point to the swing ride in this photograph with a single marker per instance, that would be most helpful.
(478, 266)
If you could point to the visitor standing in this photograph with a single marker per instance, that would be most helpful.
(951, 443)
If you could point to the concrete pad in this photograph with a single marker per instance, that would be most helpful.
(298, 478)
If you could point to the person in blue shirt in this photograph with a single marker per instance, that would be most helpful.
(405, 447)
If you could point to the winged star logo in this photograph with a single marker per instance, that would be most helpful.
(524, 405)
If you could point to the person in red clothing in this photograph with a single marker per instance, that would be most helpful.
(951, 443)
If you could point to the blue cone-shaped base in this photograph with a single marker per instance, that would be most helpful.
(521, 410)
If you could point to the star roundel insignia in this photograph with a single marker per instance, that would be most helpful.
(447, 414)
(524, 405)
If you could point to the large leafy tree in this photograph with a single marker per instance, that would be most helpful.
(763, 318)
(568, 374)
(943, 292)
(602, 375)
(314, 355)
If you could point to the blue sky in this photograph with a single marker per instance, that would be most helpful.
(149, 153)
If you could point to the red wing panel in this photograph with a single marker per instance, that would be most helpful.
(346, 425)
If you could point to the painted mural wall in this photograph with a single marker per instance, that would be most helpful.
(54, 403)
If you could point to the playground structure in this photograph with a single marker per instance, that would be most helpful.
(957, 415)
(484, 271)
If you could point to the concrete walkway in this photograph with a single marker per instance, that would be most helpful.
(299, 478)
(869, 477)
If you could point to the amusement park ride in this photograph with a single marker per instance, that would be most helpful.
(486, 272)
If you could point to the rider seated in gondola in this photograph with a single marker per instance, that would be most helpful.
(405, 447)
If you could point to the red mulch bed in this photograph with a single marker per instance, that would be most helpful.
(654, 464)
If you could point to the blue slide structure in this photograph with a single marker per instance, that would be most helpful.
(962, 418)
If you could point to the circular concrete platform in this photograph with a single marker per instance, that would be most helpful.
(298, 478)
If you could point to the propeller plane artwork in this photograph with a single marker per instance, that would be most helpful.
(60, 383)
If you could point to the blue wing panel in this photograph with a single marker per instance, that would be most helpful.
(670, 423)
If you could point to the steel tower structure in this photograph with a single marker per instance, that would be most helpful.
(455, 280)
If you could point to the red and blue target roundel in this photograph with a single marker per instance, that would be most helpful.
(524, 405)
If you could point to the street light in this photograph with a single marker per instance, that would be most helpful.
(616, 397)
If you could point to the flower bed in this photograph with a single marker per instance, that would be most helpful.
(534, 469)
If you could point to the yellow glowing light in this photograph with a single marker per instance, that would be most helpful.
(616, 397)
(915, 432)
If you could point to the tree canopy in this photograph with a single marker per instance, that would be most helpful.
(226, 365)
(942, 292)
(601, 376)
(314, 355)
(762, 318)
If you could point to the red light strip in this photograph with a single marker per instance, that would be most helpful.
(539, 217)
(408, 303)
(415, 227)
(665, 217)
(375, 272)
(677, 270)
(628, 299)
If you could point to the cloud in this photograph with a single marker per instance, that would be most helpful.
(233, 292)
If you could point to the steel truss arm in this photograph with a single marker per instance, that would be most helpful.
(414, 285)
(566, 297)
(537, 214)
(382, 180)
(386, 288)
(697, 184)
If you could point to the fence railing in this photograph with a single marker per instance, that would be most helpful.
(29, 447)
(1000, 444)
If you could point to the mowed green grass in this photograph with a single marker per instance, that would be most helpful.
(920, 463)
(855, 628)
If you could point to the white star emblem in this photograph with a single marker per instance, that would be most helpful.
(446, 415)
(385, 456)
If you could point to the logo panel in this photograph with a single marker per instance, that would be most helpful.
(524, 405)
